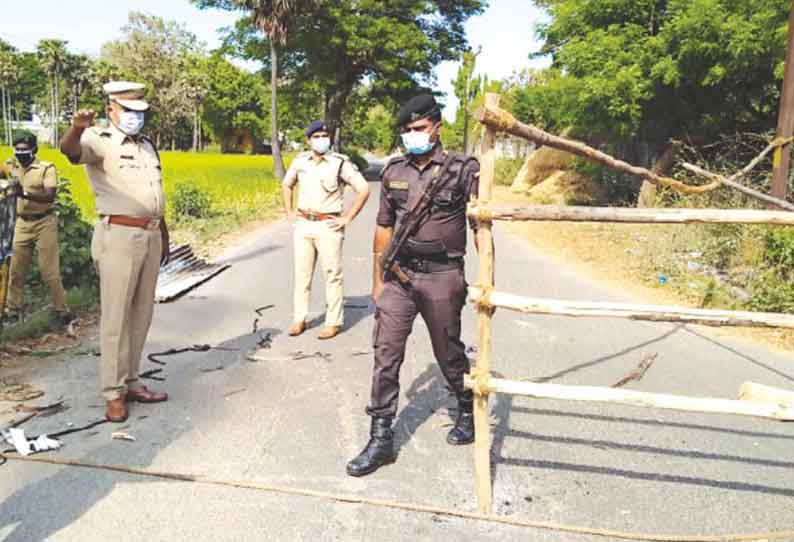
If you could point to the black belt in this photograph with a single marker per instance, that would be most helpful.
(431, 266)
(29, 217)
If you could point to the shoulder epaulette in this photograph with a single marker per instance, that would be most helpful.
(392, 161)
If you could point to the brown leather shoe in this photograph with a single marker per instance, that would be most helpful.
(329, 332)
(145, 395)
(296, 329)
(116, 410)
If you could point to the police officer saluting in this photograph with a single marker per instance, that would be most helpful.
(37, 225)
(418, 250)
(321, 177)
(130, 238)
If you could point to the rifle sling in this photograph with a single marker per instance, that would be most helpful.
(416, 213)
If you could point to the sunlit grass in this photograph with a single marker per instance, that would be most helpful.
(239, 185)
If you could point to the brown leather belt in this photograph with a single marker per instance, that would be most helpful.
(145, 223)
(311, 215)
(29, 217)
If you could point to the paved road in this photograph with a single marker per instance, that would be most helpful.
(296, 422)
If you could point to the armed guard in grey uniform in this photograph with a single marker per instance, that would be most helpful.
(419, 245)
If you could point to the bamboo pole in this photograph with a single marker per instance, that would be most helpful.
(758, 393)
(628, 214)
(639, 398)
(502, 121)
(747, 191)
(653, 313)
(482, 427)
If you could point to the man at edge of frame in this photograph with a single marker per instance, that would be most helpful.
(426, 276)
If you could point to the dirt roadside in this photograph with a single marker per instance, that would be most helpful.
(612, 255)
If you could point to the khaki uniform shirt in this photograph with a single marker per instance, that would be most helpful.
(34, 179)
(125, 173)
(322, 179)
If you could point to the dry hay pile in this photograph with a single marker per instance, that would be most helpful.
(548, 177)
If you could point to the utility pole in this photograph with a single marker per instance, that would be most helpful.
(785, 120)
(467, 99)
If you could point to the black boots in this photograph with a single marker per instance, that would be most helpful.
(463, 432)
(379, 450)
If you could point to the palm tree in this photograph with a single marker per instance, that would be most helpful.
(9, 76)
(52, 57)
(275, 19)
(77, 73)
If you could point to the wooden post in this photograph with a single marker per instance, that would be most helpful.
(482, 426)
(785, 120)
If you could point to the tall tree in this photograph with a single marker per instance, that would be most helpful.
(393, 46)
(52, 57)
(655, 69)
(77, 78)
(196, 81)
(156, 51)
(9, 77)
(235, 102)
(275, 19)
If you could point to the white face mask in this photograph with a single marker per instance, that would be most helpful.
(320, 145)
(131, 122)
(417, 142)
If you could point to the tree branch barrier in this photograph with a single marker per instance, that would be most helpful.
(486, 300)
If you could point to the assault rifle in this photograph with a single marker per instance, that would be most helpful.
(411, 221)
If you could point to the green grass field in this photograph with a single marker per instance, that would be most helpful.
(242, 187)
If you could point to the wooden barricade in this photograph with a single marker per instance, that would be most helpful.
(485, 299)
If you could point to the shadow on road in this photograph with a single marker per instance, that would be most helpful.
(649, 476)
(252, 254)
(602, 359)
(752, 360)
(649, 423)
(426, 395)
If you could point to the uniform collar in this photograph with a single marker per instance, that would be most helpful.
(437, 156)
(317, 158)
(35, 164)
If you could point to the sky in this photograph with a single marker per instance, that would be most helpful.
(505, 31)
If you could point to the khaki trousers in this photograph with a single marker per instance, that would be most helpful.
(128, 260)
(42, 234)
(313, 238)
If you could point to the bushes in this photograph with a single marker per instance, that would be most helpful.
(77, 267)
(772, 289)
(507, 169)
(189, 201)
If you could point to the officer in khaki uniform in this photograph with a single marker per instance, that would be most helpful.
(321, 177)
(36, 226)
(130, 238)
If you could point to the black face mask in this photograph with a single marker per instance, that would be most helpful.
(25, 158)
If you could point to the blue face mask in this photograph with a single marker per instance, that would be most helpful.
(417, 142)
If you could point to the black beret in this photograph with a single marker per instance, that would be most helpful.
(316, 126)
(26, 138)
(419, 107)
